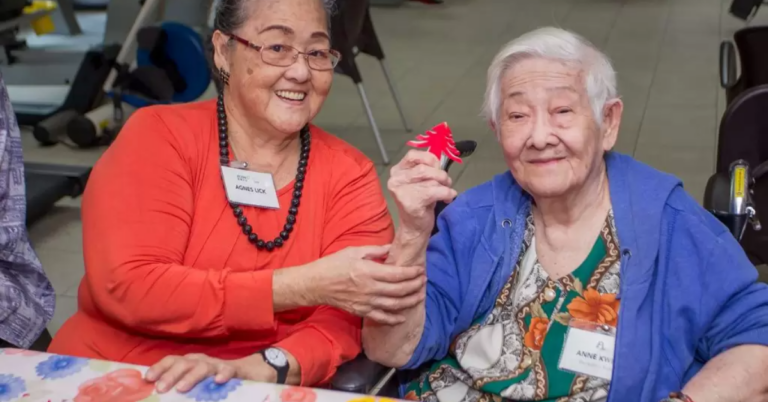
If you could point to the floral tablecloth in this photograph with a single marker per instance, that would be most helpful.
(42, 377)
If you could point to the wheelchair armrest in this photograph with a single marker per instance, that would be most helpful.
(358, 376)
(727, 64)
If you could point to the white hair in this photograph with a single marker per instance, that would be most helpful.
(555, 44)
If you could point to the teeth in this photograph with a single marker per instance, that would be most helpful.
(291, 95)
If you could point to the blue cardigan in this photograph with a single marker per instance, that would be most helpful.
(688, 291)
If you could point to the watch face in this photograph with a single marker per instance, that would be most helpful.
(276, 357)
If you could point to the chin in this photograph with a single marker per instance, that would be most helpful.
(290, 126)
(553, 190)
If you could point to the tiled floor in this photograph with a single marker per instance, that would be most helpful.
(665, 52)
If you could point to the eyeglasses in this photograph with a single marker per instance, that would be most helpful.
(284, 56)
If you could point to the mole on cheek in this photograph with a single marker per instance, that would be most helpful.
(249, 71)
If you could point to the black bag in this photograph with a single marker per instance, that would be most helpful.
(744, 9)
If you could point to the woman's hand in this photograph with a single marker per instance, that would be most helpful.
(351, 281)
(417, 183)
(184, 372)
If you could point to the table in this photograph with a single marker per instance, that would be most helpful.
(42, 377)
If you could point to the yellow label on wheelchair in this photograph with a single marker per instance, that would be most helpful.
(44, 24)
(738, 186)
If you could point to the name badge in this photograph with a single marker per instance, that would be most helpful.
(588, 349)
(245, 187)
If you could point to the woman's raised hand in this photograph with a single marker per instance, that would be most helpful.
(352, 281)
(417, 183)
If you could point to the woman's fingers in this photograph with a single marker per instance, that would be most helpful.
(224, 373)
(159, 368)
(385, 318)
(393, 304)
(198, 372)
(392, 273)
(401, 289)
(172, 376)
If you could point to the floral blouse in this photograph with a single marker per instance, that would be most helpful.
(513, 353)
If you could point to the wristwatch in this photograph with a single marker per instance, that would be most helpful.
(277, 359)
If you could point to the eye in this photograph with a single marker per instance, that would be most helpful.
(564, 110)
(320, 54)
(277, 48)
(516, 116)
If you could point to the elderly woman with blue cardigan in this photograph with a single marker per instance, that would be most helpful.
(578, 275)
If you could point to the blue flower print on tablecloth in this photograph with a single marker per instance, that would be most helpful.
(56, 367)
(210, 391)
(11, 387)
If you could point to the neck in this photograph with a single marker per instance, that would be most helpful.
(590, 201)
(263, 147)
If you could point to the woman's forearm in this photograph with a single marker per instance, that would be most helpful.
(409, 248)
(737, 375)
(292, 288)
(393, 345)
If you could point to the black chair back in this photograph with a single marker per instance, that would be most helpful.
(744, 130)
(752, 44)
(352, 28)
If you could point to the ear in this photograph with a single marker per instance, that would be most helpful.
(493, 127)
(611, 123)
(221, 57)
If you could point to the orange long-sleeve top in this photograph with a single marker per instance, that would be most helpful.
(168, 270)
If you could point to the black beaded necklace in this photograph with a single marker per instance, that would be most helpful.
(297, 186)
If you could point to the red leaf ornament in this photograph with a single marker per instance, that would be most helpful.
(439, 142)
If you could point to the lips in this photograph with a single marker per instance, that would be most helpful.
(543, 161)
(291, 95)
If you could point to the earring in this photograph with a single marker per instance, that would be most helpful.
(223, 76)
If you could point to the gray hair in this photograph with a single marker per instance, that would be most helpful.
(555, 44)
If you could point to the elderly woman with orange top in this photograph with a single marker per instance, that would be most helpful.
(578, 275)
(232, 237)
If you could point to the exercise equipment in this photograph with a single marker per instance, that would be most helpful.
(42, 82)
(171, 68)
(46, 184)
(95, 77)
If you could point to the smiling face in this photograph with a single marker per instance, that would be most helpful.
(270, 97)
(547, 129)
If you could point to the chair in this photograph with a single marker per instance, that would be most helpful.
(352, 33)
(363, 376)
(743, 136)
(752, 45)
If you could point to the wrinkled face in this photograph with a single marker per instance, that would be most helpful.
(551, 141)
(277, 98)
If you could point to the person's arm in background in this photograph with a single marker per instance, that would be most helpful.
(735, 346)
(22, 319)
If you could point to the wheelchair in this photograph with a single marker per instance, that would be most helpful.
(738, 191)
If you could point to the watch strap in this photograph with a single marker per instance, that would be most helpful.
(282, 371)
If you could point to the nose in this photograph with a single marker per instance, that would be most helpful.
(299, 71)
(541, 131)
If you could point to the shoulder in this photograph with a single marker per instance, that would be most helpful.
(467, 216)
(336, 152)
(186, 129)
(179, 120)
